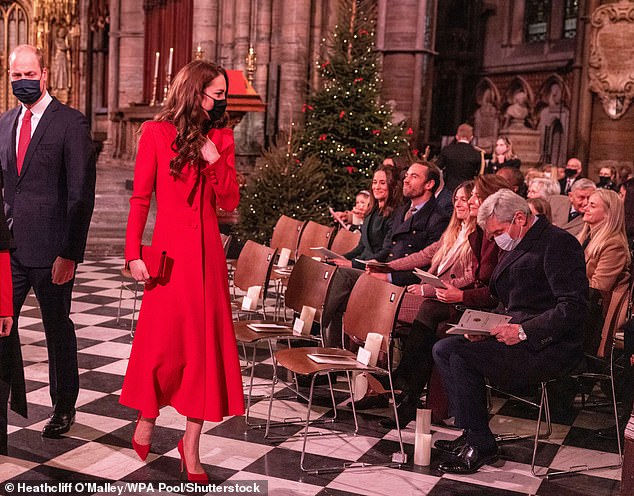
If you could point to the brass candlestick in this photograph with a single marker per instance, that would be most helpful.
(166, 88)
(153, 101)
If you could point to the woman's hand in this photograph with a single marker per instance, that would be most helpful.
(5, 326)
(415, 289)
(139, 270)
(210, 152)
(450, 295)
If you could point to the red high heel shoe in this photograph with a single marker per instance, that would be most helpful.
(190, 477)
(141, 449)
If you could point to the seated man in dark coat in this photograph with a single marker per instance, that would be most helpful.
(541, 283)
(419, 222)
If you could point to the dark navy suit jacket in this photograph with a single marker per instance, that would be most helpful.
(49, 205)
(414, 234)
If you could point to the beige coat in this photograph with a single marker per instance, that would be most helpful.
(609, 270)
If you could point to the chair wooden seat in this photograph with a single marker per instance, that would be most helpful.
(246, 335)
(296, 359)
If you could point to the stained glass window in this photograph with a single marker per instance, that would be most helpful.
(570, 18)
(536, 18)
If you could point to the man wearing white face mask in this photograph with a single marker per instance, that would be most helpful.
(541, 283)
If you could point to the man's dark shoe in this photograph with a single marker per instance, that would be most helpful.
(58, 424)
(406, 413)
(452, 447)
(372, 401)
(469, 460)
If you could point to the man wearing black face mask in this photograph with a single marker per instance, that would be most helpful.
(48, 166)
(572, 172)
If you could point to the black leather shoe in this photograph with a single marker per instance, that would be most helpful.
(58, 424)
(406, 413)
(372, 401)
(452, 447)
(468, 461)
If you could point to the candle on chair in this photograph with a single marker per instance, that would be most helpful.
(169, 63)
(156, 64)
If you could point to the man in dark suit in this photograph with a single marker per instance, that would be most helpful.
(567, 211)
(572, 173)
(460, 161)
(541, 283)
(48, 164)
(419, 222)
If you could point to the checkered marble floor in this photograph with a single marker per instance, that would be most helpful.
(98, 446)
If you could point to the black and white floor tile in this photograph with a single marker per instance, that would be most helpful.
(98, 446)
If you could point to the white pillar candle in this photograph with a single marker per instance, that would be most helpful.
(423, 421)
(422, 449)
(170, 61)
(157, 56)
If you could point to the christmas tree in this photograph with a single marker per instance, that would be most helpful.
(346, 126)
(281, 184)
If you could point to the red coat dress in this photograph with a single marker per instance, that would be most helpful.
(184, 352)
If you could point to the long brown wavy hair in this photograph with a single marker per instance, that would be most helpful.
(183, 108)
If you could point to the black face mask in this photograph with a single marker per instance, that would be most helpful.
(604, 181)
(27, 90)
(216, 113)
(570, 172)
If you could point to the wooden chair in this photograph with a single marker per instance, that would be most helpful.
(313, 236)
(372, 307)
(308, 285)
(286, 234)
(253, 268)
(345, 241)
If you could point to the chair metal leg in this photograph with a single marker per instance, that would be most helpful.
(133, 317)
(120, 298)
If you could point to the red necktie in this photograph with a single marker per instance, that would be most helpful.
(25, 138)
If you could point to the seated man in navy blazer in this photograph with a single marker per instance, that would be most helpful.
(48, 165)
(541, 283)
(417, 223)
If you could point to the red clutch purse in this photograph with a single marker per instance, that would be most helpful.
(155, 261)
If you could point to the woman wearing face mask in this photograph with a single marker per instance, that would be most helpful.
(184, 352)
(607, 178)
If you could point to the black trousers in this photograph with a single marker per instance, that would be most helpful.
(414, 370)
(61, 342)
(341, 285)
(4, 403)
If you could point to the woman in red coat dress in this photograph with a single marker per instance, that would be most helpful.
(184, 352)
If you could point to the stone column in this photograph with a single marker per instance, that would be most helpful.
(290, 51)
(205, 27)
(125, 61)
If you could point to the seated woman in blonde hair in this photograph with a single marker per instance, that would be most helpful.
(608, 262)
(605, 242)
